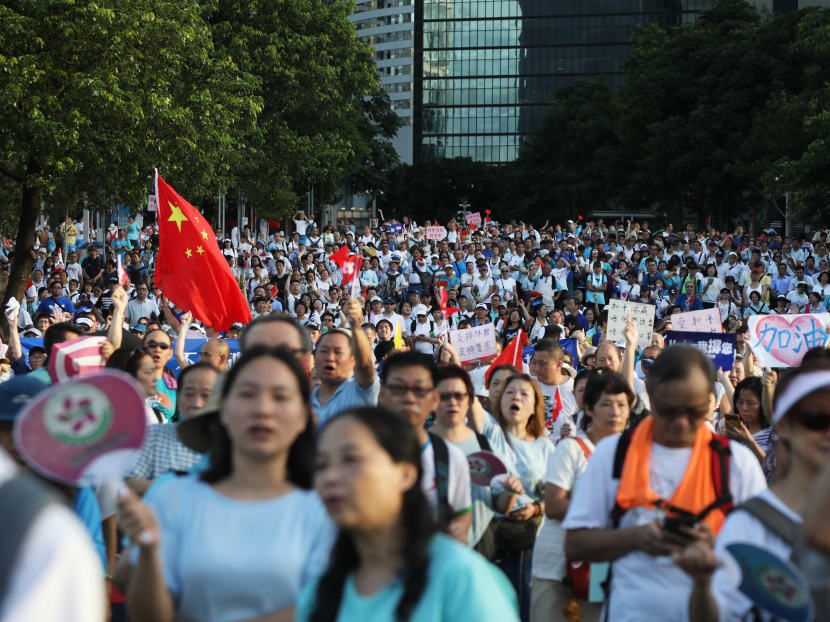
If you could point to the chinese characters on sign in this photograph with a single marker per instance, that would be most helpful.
(705, 321)
(641, 314)
(782, 340)
(719, 347)
(474, 219)
(436, 233)
(474, 343)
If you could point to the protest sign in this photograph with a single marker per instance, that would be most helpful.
(568, 345)
(436, 233)
(84, 430)
(474, 219)
(152, 204)
(703, 321)
(719, 347)
(641, 314)
(782, 340)
(396, 228)
(474, 343)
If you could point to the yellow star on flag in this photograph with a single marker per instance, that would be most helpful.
(200, 250)
(204, 234)
(176, 216)
(189, 253)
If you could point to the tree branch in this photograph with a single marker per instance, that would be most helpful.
(8, 173)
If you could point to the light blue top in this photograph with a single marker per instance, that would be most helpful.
(461, 587)
(527, 460)
(226, 559)
(482, 497)
(85, 505)
(348, 395)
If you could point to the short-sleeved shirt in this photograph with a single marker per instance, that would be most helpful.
(461, 586)
(348, 395)
(225, 559)
(481, 496)
(565, 468)
(162, 453)
(644, 586)
(458, 484)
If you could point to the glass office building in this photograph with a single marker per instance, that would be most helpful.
(485, 70)
(388, 26)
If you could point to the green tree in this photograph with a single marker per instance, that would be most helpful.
(93, 95)
(324, 114)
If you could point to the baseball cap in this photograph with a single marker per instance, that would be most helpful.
(84, 321)
(481, 305)
(421, 310)
(375, 299)
(16, 392)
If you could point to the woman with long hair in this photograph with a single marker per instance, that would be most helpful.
(516, 433)
(607, 402)
(751, 426)
(242, 539)
(512, 324)
(801, 417)
(388, 561)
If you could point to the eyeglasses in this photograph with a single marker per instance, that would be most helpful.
(156, 344)
(817, 422)
(453, 395)
(399, 390)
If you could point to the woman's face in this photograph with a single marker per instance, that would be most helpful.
(264, 411)
(610, 414)
(515, 318)
(406, 309)
(518, 402)
(589, 315)
(358, 482)
(810, 445)
(454, 402)
(748, 407)
(146, 375)
(497, 380)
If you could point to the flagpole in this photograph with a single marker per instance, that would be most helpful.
(516, 354)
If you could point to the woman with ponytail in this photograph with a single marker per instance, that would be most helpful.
(389, 563)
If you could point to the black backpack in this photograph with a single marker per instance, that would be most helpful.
(442, 475)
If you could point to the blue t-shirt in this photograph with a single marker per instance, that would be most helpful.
(348, 395)
(86, 508)
(461, 586)
(226, 559)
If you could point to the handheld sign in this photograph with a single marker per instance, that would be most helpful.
(85, 430)
(783, 340)
(484, 466)
(772, 583)
(76, 357)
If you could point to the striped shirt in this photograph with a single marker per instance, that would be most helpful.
(162, 453)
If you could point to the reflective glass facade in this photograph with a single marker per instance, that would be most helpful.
(485, 70)
(388, 26)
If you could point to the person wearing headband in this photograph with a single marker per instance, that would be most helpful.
(801, 416)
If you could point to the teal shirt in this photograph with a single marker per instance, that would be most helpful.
(166, 399)
(461, 586)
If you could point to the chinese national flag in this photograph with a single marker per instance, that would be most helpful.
(511, 355)
(191, 270)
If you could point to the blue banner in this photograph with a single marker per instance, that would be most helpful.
(719, 347)
(568, 345)
(397, 228)
(191, 351)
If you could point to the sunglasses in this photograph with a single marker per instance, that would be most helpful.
(817, 422)
(156, 344)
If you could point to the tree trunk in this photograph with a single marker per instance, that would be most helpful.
(22, 262)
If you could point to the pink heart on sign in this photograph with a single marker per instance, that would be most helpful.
(788, 340)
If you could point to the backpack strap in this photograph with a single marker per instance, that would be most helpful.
(619, 459)
(582, 446)
(22, 498)
(442, 478)
(772, 519)
(720, 456)
(483, 442)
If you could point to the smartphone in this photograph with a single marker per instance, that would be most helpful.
(674, 523)
(733, 419)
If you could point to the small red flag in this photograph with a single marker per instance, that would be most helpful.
(442, 302)
(190, 269)
(511, 355)
(487, 211)
(341, 255)
(122, 274)
(274, 292)
(579, 216)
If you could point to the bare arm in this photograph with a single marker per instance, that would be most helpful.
(364, 371)
(15, 349)
(631, 337)
(119, 304)
(816, 525)
(181, 338)
(459, 527)
(729, 391)
(768, 381)
(557, 502)
(138, 485)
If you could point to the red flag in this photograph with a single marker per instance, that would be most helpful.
(579, 216)
(341, 255)
(122, 274)
(442, 302)
(191, 270)
(511, 355)
(487, 211)
(555, 409)
(274, 292)
(349, 266)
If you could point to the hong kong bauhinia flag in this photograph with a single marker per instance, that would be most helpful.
(191, 271)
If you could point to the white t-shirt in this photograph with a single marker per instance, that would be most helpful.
(565, 469)
(643, 586)
(743, 527)
(568, 404)
(458, 481)
(58, 576)
(424, 329)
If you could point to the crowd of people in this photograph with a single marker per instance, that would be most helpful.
(315, 463)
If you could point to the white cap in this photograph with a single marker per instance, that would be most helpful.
(421, 310)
